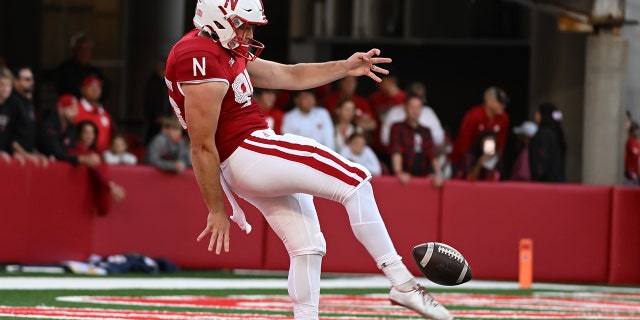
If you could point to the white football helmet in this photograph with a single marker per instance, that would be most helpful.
(227, 22)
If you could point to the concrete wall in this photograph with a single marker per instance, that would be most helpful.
(632, 33)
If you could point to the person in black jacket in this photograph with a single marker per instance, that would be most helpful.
(58, 133)
(547, 149)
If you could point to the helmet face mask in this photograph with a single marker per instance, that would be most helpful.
(228, 22)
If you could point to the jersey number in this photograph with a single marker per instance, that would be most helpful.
(242, 89)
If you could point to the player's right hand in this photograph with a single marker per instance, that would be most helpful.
(218, 225)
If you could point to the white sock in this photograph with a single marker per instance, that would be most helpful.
(369, 229)
(304, 285)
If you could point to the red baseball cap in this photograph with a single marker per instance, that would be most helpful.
(91, 80)
(66, 101)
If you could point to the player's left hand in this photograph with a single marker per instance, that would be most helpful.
(366, 64)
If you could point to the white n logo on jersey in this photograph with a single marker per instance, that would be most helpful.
(199, 67)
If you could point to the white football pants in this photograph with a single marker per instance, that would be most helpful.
(279, 175)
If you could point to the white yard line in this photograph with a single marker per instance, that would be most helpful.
(27, 283)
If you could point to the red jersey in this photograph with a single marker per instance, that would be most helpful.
(632, 158)
(101, 118)
(196, 59)
(476, 122)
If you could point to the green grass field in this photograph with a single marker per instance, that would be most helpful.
(225, 295)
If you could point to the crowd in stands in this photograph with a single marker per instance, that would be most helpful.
(391, 132)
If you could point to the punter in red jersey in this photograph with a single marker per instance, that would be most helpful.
(210, 74)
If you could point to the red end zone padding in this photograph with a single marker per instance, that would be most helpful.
(569, 225)
(163, 214)
(410, 214)
(46, 213)
(625, 236)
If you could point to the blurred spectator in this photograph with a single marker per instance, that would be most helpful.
(521, 170)
(57, 134)
(488, 117)
(344, 122)
(24, 129)
(118, 153)
(632, 156)
(482, 161)
(91, 109)
(309, 120)
(347, 90)
(412, 148)
(357, 151)
(548, 148)
(7, 109)
(156, 101)
(105, 190)
(72, 72)
(169, 150)
(266, 99)
(428, 117)
(388, 95)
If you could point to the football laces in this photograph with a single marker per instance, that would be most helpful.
(451, 253)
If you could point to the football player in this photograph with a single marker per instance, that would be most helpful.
(210, 75)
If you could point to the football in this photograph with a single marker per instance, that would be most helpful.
(441, 263)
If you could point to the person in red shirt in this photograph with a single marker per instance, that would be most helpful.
(210, 75)
(347, 90)
(632, 156)
(91, 109)
(266, 99)
(387, 96)
(487, 117)
(104, 189)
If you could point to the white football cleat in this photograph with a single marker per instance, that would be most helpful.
(420, 301)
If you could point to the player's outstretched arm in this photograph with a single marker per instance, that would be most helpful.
(269, 74)
(202, 109)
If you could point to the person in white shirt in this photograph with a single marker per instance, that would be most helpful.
(344, 122)
(357, 151)
(118, 154)
(308, 120)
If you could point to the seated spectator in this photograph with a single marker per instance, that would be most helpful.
(309, 120)
(487, 117)
(347, 90)
(105, 190)
(91, 109)
(169, 150)
(412, 147)
(548, 149)
(118, 153)
(57, 134)
(428, 117)
(632, 156)
(357, 151)
(482, 161)
(266, 99)
(344, 122)
(521, 170)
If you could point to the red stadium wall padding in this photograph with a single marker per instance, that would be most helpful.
(163, 214)
(410, 213)
(46, 213)
(569, 225)
(625, 236)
